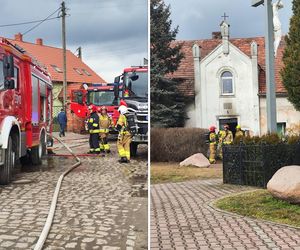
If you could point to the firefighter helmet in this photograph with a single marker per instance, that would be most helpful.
(123, 103)
(92, 108)
(212, 129)
(122, 109)
(238, 127)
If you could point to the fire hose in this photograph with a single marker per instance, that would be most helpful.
(43, 236)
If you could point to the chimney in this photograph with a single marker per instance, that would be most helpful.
(19, 37)
(216, 35)
(39, 41)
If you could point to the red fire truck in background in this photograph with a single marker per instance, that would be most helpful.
(101, 94)
(25, 109)
(134, 81)
(132, 86)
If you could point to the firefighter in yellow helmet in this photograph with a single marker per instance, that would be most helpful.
(225, 137)
(105, 123)
(124, 137)
(213, 141)
(239, 133)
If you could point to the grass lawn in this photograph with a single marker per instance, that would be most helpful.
(261, 205)
(172, 172)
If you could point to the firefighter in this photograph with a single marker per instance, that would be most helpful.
(225, 137)
(213, 140)
(239, 133)
(105, 123)
(124, 137)
(93, 127)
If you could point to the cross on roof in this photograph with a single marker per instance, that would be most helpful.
(225, 16)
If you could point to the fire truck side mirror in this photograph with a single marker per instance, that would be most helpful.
(116, 90)
(117, 79)
(8, 66)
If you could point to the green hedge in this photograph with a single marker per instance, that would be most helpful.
(176, 144)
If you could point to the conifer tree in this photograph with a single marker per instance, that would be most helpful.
(167, 103)
(291, 58)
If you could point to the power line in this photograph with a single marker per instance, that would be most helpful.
(24, 23)
(47, 18)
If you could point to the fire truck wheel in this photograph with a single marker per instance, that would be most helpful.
(9, 162)
(133, 148)
(36, 155)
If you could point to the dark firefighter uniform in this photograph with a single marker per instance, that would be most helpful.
(124, 138)
(213, 140)
(105, 123)
(93, 127)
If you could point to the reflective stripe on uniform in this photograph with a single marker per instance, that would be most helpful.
(95, 124)
(94, 131)
(104, 130)
(91, 120)
(122, 152)
(106, 146)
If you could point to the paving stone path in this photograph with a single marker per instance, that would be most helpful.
(98, 208)
(182, 218)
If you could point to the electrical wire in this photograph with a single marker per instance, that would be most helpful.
(24, 23)
(47, 18)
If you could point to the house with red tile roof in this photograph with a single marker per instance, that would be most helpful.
(52, 59)
(224, 82)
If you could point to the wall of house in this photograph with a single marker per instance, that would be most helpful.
(286, 113)
(190, 112)
(243, 103)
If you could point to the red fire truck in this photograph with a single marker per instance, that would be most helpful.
(134, 81)
(102, 94)
(132, 86)
(25, 109)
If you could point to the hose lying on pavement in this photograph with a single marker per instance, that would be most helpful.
(43, 236)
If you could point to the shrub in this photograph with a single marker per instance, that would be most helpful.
(270, 139)
(176, 144)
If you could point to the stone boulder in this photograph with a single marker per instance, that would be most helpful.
(285, 184)
(197, 160)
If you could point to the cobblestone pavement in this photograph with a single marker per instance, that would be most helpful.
(181, 218)
(102, 204)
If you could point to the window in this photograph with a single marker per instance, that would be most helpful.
(16, 77)
(57, 69)
(78, 71)
(227, 83)
(86, 72)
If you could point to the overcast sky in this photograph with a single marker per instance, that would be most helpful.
(197, 19)
(112, 33)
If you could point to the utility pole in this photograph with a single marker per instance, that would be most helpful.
(270, 69)
(270, 65)
(79, 52)
(63, 18)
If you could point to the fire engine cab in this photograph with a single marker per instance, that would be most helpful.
(25, 109)
(98, 94)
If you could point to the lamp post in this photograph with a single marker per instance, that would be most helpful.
(270, 64)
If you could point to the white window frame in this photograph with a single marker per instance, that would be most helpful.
(226, 77)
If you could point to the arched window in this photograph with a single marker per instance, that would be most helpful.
(227, 83)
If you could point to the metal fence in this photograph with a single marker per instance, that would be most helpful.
(254, 165)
